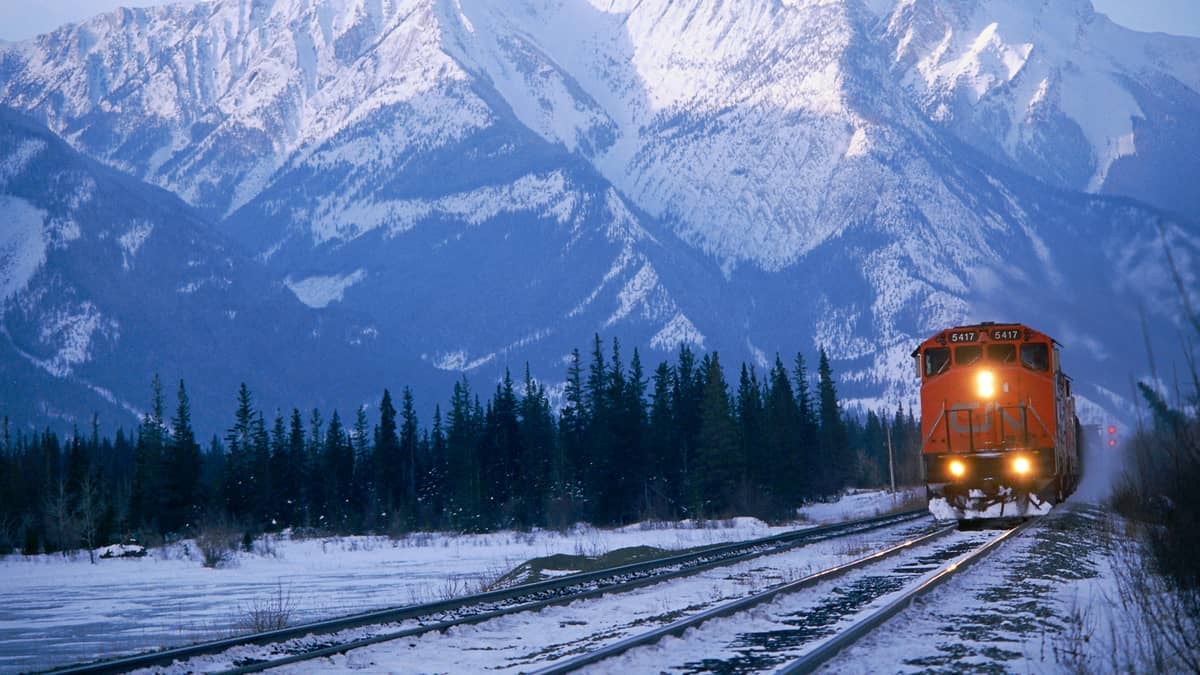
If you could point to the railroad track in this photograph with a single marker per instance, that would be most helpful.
(245, 654)
(812, 645)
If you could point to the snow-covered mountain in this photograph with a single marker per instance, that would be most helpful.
(489, 183)
(106, 280)
(1059, 91)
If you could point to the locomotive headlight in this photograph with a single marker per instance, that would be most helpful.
(985, 384)
(1021, 465)
(957, 468)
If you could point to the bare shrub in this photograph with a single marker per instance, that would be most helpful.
(1163, 617)
(273, 612)
(217, 545)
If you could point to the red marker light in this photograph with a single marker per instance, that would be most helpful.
(1112, 443)
(1112, 428)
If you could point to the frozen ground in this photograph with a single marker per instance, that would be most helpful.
(57, 610)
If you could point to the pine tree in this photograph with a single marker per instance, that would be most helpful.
(566, 470)
(282, 479)
(239, 468)
(663, 473)
(462, 439)
(807, 445)
(298, 497)
(832, 440)
(409, 441)
(148, 492)
(365, 502)
(338, 473)
(717, 454)
(782, 438)
(388, 472)
(537, 448)
(758, 488)
(183, 468)
(687, 397)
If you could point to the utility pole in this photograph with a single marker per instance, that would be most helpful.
(891, 459)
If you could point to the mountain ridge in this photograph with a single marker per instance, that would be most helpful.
(518, 177)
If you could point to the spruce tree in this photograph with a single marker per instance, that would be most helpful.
(718, 457)
(807, 444)
(782, 438)
(146, 499)
(239, 468)
(183, 468)
(409, 441)
(388, 462)
(832, 440)
(664, 469)
(297, 495)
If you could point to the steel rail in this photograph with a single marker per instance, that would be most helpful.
(828, 649)
(678, 628)
(687, 563)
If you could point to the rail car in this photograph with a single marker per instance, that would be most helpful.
(999, 433)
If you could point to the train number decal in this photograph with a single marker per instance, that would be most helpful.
(964, 336)
(1006, 334)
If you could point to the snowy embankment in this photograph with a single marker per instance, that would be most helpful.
(56, 610)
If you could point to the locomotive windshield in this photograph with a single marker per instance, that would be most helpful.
(1003, 352)
(937, 360)
(1035, 356)
(967, 354)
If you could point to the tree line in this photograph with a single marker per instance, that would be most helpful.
(619, 446)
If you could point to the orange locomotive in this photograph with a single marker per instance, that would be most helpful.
(998, 421)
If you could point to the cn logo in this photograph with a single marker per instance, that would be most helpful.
(966, 418)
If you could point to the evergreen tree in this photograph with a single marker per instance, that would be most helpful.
(388, 472)
(807, 445)
(314, 480)
(832, 441)
(261, 486)
(297, 495)
(462, 439)
(338, 473)
(148, 492)
(434, 487)
(409, 440)
(566, 470)
(282, 478)
(365, 502)
(718, 459)
(663, 472)
(182, 495)
(687, 397)
(782, 437)
(239, 467)
(537, 448)
(757, 496)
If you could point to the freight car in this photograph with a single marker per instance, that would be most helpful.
(998, 425)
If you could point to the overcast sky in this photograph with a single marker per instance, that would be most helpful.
(20, 19)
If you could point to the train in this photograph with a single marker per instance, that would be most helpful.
(999, 435)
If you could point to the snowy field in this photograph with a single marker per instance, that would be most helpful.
(57, 610)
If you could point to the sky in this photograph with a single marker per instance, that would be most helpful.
(21, 19)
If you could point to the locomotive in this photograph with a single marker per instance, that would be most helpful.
(998, 426)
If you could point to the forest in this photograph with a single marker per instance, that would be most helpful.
(616, 445)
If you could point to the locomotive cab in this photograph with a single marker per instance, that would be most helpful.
(997, 421)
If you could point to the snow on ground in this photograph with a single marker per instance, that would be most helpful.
(56, 610)
(532, 640)
(1045, 602)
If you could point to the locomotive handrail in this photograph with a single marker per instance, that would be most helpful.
(933, 429)
(1040, 422)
